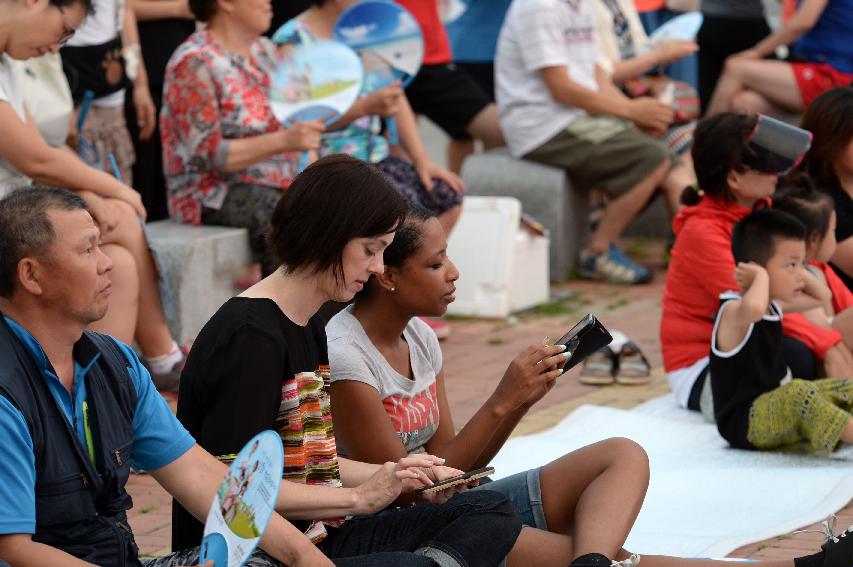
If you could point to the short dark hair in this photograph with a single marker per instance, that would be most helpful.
(26, 230)
(754, 237)
(87, 4)
(334, 200)
(801, 199)
(203, 10)
(718, 143)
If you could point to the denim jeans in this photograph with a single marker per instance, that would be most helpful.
(473, 529)
(524, 490)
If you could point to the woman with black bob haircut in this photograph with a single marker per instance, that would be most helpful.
(261, 363)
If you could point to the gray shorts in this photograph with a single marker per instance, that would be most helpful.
(603, 152)
(525, 492)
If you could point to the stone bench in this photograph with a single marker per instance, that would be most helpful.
(545, 193)
(201, 262)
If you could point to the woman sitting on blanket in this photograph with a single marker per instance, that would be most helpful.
(388, 399)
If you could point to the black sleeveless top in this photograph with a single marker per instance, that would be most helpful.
(739, 376)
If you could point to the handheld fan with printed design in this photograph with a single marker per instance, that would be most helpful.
(317, 81)
(244, 502)
(683, 27)
(389, 41)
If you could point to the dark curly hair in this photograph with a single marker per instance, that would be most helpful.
(407, 241)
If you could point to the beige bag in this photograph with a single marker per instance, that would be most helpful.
(48, 97)
(684, 5)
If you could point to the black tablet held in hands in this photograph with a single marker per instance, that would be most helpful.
(454, 480)
(583, 339)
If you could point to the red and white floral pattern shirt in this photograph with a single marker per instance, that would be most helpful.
(212, 96)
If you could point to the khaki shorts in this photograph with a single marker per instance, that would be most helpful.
(602, 152)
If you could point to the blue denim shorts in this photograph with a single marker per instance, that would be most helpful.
(525, 492)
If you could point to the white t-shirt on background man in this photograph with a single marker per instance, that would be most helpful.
(538, 34)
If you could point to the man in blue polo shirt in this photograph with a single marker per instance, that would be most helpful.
(77, 408)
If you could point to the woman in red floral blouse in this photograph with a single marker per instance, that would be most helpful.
(224, 154)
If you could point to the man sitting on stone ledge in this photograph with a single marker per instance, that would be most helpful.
(558, 107)
(77, 407)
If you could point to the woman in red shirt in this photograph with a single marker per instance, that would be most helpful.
(702, 266)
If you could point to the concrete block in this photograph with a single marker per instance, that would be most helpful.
(545, 193)
(201, 262)
(502, 267)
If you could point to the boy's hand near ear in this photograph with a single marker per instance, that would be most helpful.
(754, 283)
(745, 274)
(739, 314)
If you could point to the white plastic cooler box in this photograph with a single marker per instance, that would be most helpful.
(503, 268)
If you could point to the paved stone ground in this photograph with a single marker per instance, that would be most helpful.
(476, 356)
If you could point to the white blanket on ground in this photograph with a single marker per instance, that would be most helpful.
(705, 499)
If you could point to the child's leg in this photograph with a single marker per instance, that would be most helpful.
(803, 409)
(584, 502)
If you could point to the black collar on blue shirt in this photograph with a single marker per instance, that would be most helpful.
(84, 352)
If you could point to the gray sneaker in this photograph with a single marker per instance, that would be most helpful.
(614, 267)
(169, 382)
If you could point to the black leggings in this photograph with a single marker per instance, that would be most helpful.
(799, 358)
(718, 38)
(250, 207)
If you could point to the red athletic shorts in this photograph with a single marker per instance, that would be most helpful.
(815, 78)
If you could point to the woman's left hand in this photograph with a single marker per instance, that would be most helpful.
(146, 112)
(427, 171)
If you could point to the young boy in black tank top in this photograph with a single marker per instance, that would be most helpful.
(756, 403)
